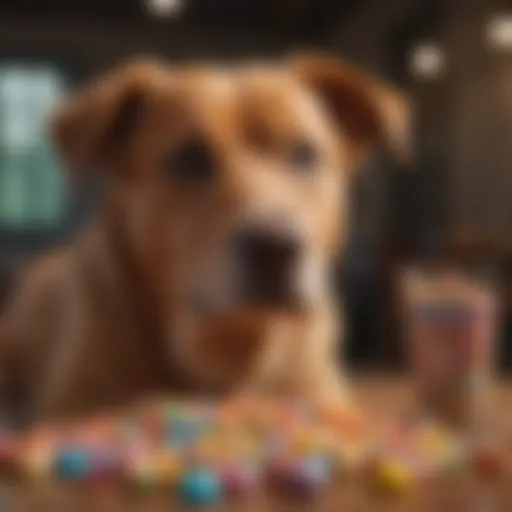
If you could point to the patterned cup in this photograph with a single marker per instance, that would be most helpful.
(450, 332)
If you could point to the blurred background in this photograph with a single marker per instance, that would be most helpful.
(454, 58)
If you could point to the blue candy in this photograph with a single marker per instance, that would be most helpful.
(182, 432)
(199, 487)
(73, 464)
(317, 469)
(303, 478)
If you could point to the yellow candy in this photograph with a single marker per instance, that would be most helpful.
(351, 454)
(36, 455)
(210, 449)
(394, 476)
(212, 445)
(435, 443)
(432, 438)
(243, 447)
(307, 441)
(167, 467)
(38, 465)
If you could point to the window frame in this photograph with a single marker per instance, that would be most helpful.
(26, 239)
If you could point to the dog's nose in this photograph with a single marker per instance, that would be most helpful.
(268, 260)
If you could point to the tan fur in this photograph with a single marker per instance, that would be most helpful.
(103, 321)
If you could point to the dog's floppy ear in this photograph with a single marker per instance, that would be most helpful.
(94, 120)
(368, 111)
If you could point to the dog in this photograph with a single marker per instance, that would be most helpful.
(207, 266)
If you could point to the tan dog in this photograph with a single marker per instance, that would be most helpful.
(207, 267)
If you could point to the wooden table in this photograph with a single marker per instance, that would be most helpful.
(457, 494)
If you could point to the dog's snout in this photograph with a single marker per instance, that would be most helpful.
(265, 250)
(268, 260)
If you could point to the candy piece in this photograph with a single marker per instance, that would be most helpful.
(137, 466)
(183, 432)
(152, 419)
(316, 469)
(167, 467)
(240, 481)
(301, 484)
(245, 448)
(207, 450)
(302, 478)
(143, 477)
(38, 466)
(277, 467)
(350, 455)
(488, 462)
(394, 476)
(73, 463)
(104, 462)
(129, 433)
(275, 445)
(199, 487)
(141, 474)
(37, 453)
(433, 440)
(306, 441)
(99, 430)
(37, 462)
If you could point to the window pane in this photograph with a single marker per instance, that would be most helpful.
(31, 186)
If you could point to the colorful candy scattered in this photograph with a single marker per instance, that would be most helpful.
(207, 452)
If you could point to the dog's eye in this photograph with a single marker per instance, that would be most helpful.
(303, 156)
(193, 163)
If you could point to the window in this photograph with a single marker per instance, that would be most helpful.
(32, 195)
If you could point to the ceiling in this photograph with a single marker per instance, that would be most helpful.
(306, 17)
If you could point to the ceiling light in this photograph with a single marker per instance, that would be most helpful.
(164, 8)
(426, 61)
(499, 32)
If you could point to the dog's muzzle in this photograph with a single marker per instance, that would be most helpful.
(267, 262)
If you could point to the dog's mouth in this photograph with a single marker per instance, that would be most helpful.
(202, 305)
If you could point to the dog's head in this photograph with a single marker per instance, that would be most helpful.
(231, 184)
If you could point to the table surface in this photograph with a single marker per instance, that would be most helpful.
(459, 494)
